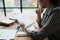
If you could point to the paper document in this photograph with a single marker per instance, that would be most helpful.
(21, 31)
(6, 34)
(24, 19)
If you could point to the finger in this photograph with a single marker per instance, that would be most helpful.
(22, 24)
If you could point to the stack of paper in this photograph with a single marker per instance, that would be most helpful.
(6, 22)
(6, 34)
(24, 19)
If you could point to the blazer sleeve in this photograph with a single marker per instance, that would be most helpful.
(52, 25)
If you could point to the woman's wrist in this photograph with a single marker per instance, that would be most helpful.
(26, 29)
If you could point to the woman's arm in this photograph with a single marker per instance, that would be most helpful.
(38, 12)
(51, 27)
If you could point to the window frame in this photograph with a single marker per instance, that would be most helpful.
(16, 7)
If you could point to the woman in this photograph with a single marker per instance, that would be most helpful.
(49, 24)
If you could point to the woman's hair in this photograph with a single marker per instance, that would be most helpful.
(55, 2)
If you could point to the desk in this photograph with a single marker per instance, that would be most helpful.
(18, 38)
(14, 27)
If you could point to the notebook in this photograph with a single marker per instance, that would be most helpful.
(7, 34)
(24, 19)
(28, 23)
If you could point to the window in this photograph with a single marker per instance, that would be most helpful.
(29, 3)
(12, 3)
(29, 7)
(17, 6)
(1, 13)
(12, 6)
(1, 3)
(1, 9)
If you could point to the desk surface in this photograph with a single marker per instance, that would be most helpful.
(18, 38)
(14, 27)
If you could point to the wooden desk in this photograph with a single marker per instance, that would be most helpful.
(14, 27)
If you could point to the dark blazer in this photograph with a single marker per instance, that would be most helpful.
(50, 25)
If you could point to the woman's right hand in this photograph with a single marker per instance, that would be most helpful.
(39, 11)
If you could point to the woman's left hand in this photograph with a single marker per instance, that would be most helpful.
(27, 30)
(22, 24)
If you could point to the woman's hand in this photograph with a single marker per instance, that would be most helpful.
(22, 24)
(39, 11)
